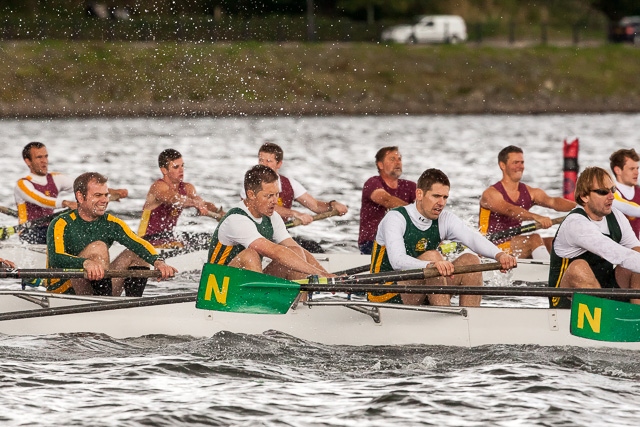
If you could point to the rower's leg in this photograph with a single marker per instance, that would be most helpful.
(523, 246)
(627, 279)
(579, 275)
(468, 279)
(248, 259)
(435, 299)
(123, 261)
(95, 251)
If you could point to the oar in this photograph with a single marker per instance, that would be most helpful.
(102, 306)
(516, 231)
(214, 215)
(402, 275)
(6, 232)
(603, 319)
(8, 211)
(231, 289)
(354, 270)
(62, 273)
(296, 222)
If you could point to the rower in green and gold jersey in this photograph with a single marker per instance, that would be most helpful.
(251, 231)
(82, 238)
(408, 238)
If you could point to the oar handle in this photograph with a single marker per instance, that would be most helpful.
(516, 231)
(296, 222)
(417, 274)
(63, 273)
(214, 215)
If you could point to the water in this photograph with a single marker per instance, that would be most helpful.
(274, 379)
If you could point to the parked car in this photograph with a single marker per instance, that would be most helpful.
(626, 30)
(429, 29)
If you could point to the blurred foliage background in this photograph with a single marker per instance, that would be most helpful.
(315, 20)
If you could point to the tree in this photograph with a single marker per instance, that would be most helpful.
(616, 9)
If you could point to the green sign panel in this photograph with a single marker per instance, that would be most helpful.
(604, 319)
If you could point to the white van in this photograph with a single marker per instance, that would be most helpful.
(429, 29)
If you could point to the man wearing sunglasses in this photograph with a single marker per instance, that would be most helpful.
(595, 246)
(507, 203)
(624, 165)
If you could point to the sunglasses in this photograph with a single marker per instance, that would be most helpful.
(604, 191)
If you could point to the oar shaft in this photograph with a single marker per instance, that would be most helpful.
(479, 290)
(214, 215)
(296, 222)
(516, 231)
(417, 274)
(61, 273)
(102, 306)
(8, 211)
(354, 270)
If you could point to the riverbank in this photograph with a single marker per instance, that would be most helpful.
(80, 79)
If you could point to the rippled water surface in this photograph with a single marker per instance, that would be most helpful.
(274, 379)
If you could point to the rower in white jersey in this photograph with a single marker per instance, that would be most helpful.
(595, 246)
(408, 238)
(624, 165)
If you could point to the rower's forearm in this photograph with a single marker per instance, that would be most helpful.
(62, 260)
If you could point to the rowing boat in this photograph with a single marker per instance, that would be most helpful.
(34, 256)
(328, 321)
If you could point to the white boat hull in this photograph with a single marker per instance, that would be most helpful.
(326, 324)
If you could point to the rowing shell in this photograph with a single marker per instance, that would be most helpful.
(333, 322)
(34, 256)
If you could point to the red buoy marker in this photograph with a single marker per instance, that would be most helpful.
(570, 169)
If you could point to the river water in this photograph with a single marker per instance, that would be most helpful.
(274, 379)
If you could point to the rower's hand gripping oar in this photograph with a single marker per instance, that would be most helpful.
(225, 288)
(296, 222)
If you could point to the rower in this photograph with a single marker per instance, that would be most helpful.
(595, 245)
(507, 202)
(41, 192)
(624, 165)
(251, 231)
(166, 200)
(82, 237)
(272, 155)
(408, 238)
(383, 192)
